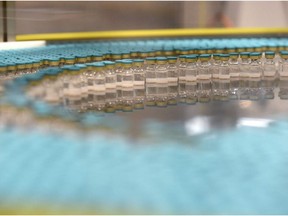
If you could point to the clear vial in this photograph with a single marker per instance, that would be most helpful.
(139, 83)
(88, 87)
(110, 86)
(162, 81)
(98, 92)
(119, 72)
(81, 80)
(93, 89)
(191, 79)
(68, 61)
(283, 75)
(204, 78)
(244, 76)
(127, 86)
(172, 74)
(11, 71)
(182, 82)
(28, 67)
(35, 66)
(53, 62)
(20, 69)
(255, 75)
(269, 75)
(234, 75)
(72, 89)
(151, 89)
(215, 76)
(224, 77)
(85, 105)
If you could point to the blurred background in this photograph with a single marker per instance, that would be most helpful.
(24, 17)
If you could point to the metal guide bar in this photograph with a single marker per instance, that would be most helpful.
(209, 32)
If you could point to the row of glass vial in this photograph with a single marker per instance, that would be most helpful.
(117, 81)
(20, 68)
(30, 65)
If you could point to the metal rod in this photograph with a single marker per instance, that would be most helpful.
(5, 25)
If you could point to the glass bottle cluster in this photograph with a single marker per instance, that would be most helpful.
(126, 75)
(129, 84)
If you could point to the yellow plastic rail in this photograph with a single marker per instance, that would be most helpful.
(153, 33)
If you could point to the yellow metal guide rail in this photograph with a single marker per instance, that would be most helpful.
(208, 32)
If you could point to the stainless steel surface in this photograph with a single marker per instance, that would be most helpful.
(206, 117)
(11, 22)
(46, 17)
(1, 22)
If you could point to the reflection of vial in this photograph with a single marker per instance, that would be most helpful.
(255, 75)
(150, 81)
(34, 89)
(269, 75)
(244, 75)
(161, 81)
(204, 78)
(181, 70)
(224, 77)
(127, 86)
(215, 76)
(51, 93)
(191, 79)
(234, 75)
(139, 83)
(172, 74)
(283, 75)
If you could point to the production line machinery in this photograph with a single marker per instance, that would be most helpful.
(202, 138)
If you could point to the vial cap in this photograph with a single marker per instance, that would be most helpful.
(99, 64)
(244, 54)
(283, 53)
(81, 65)
(172, 58)
(109, 62)
(138, 60)
(224, 57)
(150, 59)
(216, 56)
(191, 56)
(234, 54)
(161, 59)
(255, 54)
(204, 57)
(269, 54)
(127, 62)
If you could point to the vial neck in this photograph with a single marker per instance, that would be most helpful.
(246, 61)
(255, 61)
(233, 61)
